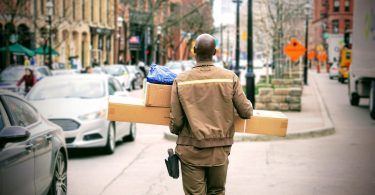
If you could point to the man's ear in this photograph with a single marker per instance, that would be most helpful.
(195, 50)
(214, 52)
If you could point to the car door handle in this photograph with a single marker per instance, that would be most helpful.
(49, 137)
(29, 146)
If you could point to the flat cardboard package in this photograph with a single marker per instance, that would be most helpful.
(157, 95)
(134, 110)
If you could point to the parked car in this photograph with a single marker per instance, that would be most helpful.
(179, 66)
(136, 77)
(334, 71)
(119, 72)
(10, 76)
(80, 106)
(64, 72)
(33, 154)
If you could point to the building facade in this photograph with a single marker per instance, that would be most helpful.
(82, 30)
(331, 18)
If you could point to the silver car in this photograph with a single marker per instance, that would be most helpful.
(120, 72)
(33, 155)
(79, 103)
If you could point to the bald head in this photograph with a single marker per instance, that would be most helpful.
(204, 47)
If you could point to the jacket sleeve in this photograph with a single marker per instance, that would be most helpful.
(177, 114)
(20, 81)
(241, 103)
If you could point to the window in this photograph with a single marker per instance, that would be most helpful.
(42, 6)
(92, 10)
(335, 26)
(347, 5)
(347, 24)
(74, 10)
(19, 112)
(336, 6)
(63, 8)
(83, 10)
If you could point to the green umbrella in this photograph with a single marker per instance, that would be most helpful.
(42, 51)
(17, 48)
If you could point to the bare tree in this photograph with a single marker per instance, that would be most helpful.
(277, 24)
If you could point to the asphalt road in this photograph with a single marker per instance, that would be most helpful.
(343, 163)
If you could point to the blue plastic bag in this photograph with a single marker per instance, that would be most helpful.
(160, 75)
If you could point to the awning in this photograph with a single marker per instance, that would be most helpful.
(17, 48)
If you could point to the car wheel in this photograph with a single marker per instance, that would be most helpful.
(132, 133)
(109, 148)
(59, 181)
(354, 99)
(331, 77)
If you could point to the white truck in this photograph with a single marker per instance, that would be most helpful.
(335, 42)
(362, 69)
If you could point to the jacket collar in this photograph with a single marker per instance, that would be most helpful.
(204, 63)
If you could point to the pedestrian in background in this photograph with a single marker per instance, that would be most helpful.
(203, 104)
(29, 79)
(26, 61)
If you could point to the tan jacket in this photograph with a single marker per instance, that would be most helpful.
(203, 104)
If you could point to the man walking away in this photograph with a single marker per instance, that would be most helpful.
(203, 104)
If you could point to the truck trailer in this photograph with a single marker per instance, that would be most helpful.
(362, 70)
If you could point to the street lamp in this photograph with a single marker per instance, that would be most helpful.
(307, 13)
(158, 32)
(119, 26)
(250, 76)
(237, 68)
(49, 6)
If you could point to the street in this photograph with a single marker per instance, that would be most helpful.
(342, 163)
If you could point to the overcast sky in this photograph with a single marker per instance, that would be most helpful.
(224, 12)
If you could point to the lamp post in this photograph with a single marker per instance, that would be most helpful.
(158, 31)
(250, 76)
(119, 29)
(307, 13)
(49, 6)
(237, 67)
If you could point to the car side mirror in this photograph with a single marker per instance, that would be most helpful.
(13, 134)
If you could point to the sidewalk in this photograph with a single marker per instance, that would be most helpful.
(312, 121)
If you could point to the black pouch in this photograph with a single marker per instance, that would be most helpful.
(172, 164)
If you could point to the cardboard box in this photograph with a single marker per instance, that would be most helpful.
(157, 95)
(264, 123)
(134, 110)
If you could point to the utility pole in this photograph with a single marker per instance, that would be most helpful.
(307, 12)
(221, 42)
(237, 68)
(250, 77)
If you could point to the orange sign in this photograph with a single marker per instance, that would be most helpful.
(311, 55)
(322, 57)
(294, 50)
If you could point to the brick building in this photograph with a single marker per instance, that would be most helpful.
(331, 18)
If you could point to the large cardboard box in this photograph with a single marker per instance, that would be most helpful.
(134, 110)
(157, 95)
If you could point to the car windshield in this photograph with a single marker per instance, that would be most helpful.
(12, 74)
(77, 88)
(114, 71)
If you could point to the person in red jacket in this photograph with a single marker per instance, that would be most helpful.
(28, 78)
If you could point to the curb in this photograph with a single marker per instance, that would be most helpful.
(326, 130)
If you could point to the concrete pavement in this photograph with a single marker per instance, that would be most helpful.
(312, 121)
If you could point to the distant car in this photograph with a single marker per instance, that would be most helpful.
(64, 72)
(219, 64)
(119, 72)
(98, 70)
(80, 106)
(136, 77)
(33, 154)
(10, 76)
(333, 71)
(188, 64)
(175, 66)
